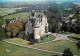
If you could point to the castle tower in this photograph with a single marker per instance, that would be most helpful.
(33, 13)
(37, 30)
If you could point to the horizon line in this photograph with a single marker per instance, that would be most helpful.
(40, 1)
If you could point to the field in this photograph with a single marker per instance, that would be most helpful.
(22, 15)
(5, 11)
(19, 51)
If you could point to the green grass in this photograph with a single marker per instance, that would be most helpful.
(5, 11)
(25, 42)
(75, 37)
(60, 46)
(47, 39)
(1, 22)
(72, 39)
(66, 33)
(23, 15)
(18, 41)
(20, 51)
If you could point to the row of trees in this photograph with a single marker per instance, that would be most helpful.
(56, 24)
(76, 26)
(54, 20)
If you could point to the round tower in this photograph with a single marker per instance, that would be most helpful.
(37, 31)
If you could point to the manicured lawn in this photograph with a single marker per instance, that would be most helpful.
(66, 33)
(23, 15)
(18, 41)
(60, 46)
(25, 42)
(75, 37)
(19, 51)
(47, 39)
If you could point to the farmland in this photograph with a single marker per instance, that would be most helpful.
(5, 11)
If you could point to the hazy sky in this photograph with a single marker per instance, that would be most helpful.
(34, 0)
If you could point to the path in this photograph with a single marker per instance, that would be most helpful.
(60, 37)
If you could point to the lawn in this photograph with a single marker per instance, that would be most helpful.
(19, 51)
(47, 39)
(66, 33)
(59, 46)
(25, 42)
(18, 41)
(75, 37)
(23, 15)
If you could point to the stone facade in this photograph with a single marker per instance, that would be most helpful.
(36, 25)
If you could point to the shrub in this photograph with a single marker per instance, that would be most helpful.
(36, 41)
(32, 41)
(20, 35)
(78, 44)
(55, 55)
(67, 52)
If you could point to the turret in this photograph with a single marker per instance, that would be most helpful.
(33, 13)
(37, 30)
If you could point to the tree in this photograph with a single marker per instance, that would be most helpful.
(69, 25)
(13, 28)
(59, 26)
(76, 26)
(2, 30)
(67, 52)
